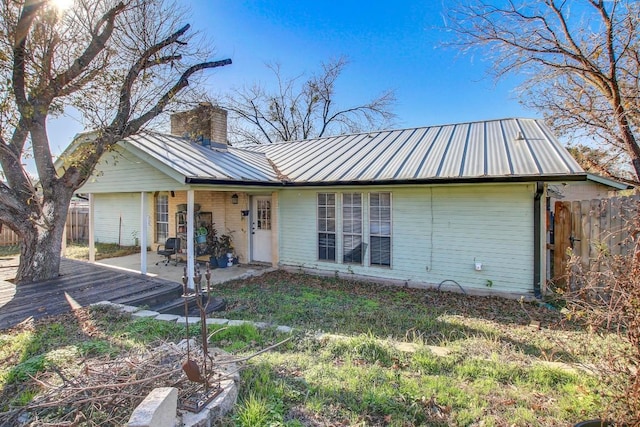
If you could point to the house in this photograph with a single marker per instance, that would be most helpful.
(594, 187)
(458, 206)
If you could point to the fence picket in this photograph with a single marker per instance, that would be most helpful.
(596, 225)
(77, 228)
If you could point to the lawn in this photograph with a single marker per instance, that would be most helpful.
(362, 355)
(81, 250)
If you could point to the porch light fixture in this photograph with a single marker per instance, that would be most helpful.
(234, 199)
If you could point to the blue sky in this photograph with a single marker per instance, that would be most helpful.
(391, 45)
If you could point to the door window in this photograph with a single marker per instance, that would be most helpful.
(264, 214)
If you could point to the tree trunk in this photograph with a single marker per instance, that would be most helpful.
(39, 256)
(633, 149)
(41, 244)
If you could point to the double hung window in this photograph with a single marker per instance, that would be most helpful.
(361, 229)
(380, 229)
(327, 226)
(352, 247)
(162, 218)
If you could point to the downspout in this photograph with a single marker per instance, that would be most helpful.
(537, 239)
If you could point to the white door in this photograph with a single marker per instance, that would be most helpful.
(261, 229)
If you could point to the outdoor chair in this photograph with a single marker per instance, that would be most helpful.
(170, 247)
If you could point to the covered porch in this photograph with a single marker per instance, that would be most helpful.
(211, 225)
(174, 273)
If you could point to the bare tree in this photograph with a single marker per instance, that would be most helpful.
(602, 162)
(580, 58)
(120, 63)
(297, 109)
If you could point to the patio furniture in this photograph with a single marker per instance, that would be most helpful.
(170, 247)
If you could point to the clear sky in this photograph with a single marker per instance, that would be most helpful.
(390, 45)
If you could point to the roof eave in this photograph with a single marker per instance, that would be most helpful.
(608, 182)
(423, 181)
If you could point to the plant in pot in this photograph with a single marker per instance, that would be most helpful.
(213, 246)
(221, 245)
(225, 250)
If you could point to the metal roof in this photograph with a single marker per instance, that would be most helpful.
(496, 150)
(505, 149)
(193, 160)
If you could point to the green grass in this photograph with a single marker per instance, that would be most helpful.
(103, 251)
(360, 355)
(9, 250)
(81, 250)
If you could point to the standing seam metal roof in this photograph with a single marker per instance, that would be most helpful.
(506, 148)
(193, 160)
(497, 149)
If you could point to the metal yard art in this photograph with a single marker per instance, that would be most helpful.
(195, 399)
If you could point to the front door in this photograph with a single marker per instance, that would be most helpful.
(261, 229)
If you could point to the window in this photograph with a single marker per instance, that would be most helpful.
(352, 247)
(380, 228)
(264, 214)
(327, 226)
(162, 218)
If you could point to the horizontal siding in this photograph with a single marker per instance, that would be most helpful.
(121, 171)
(297, 227)
(437, 234)
(491, 224)
(117, 218)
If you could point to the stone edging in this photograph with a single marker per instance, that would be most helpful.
(224, 402)
(141, 313)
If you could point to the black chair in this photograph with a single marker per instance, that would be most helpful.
(170, 247)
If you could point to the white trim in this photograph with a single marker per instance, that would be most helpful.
(608, 182)
(190, 233)
(390, 235)
(92, 231)
(144, 220)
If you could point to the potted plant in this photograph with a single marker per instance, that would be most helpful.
(220, 246)
(224, 247)
(213, 246)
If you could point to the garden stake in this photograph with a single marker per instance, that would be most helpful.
(203, 324)
(189, 367)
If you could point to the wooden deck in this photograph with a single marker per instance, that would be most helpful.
(79, 284)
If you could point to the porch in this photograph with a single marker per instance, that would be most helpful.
(174, 273)
(207, 221)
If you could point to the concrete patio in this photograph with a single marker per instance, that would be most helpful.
(174, 272)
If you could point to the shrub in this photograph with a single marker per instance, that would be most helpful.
(605, 295)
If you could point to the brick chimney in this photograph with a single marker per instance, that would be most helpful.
(205, 123)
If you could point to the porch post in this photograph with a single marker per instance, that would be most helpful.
(92, 244)
(190, 246)
(275, 230)
(63, 247)
(143, 233)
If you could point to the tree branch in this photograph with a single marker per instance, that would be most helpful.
(95, 46)
(124, 107)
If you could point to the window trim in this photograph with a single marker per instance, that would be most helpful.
(334, 232)
(370, 234)
(343, 234)
(156, 205)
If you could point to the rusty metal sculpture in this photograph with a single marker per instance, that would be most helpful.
(200, 397)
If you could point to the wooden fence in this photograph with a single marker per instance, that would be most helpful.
(78, 224)
(589, 227)
(8, 237)
(77, 227)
